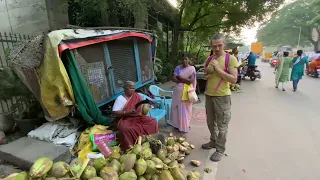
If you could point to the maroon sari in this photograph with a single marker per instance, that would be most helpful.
(130, 128)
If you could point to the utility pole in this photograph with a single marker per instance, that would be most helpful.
(299, 38)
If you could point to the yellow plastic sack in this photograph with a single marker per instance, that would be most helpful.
(84, 146)
(186, 88)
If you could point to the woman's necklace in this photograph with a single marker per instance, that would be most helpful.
(126, 97)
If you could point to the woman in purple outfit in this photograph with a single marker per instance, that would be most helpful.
(181, 111)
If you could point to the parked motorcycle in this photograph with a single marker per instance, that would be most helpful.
(316, 73)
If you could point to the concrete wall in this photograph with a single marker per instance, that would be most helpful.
(31, 16)
(57, 14)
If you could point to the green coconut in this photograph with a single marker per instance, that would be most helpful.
(174, 156)
(128, 176)
(177, 174)
(167, 161)
(128, 163)
(145, 145)
(122, 158)
(76, 166)
(140, 167)
(47, 178)
(141, 178)
(147, 176)
(116, 165)
(155, 177)
(116, 149)
(192, 176)
(41, 167)
(115, 155)
(156, 160)
(197, 174)
(96, 178)
(173, 164)
(145, 109)
(88, 173)
(146, 154)
(210, 69)
(165, 175)
(99, 163)
(59, 169)
(108, 173)
(181, 166)
(171, 141)
(161, 154)
(137, 148)
(151, 167)
(188, 151)
(21, 176)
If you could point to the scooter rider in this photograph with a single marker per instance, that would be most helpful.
(252, 60)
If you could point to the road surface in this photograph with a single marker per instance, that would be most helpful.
(273, 134)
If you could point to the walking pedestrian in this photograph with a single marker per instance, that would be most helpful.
(298, 66)
(218, 95)
(283, 70)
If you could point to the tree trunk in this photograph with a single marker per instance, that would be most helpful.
(113, 13)
(315, 45)
(140, 20)
(181, 41)
(104, 14)
(198, 53)
(175, 44)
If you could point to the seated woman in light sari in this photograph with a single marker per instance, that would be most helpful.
(181, 111)
(131, 124)
(299, 63)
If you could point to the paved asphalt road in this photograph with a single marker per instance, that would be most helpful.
(273, 135)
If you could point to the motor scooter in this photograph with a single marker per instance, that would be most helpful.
(252, 72)
(274, 62)
(316, 73)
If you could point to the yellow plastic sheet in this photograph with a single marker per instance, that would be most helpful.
(84, 146)
(55, 86)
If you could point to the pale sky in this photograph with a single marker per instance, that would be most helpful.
(249, 34)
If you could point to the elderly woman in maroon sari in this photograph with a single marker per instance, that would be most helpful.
(131, 123)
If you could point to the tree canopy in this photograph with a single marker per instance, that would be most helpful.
(283, 28)
(206, 17)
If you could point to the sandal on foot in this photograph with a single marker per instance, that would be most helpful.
(209, 145)
(216, 156)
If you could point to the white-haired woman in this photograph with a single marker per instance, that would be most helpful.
(131, 124)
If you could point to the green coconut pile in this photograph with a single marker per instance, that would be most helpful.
(138, 163)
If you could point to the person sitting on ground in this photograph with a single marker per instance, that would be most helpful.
(314, 64)
(130, 123)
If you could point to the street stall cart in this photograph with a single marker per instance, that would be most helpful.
(86, 69)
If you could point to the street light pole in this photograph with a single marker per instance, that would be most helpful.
(299, 36)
